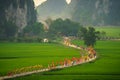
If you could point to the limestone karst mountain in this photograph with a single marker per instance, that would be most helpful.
(19, 12)
(86, 12)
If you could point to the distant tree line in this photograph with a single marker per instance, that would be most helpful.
(57, 29)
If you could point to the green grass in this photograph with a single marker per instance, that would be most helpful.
(110, 31)
(17, 55)
(69, 77)
(106, 67)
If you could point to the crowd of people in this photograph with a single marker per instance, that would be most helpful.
(25, 69)
(88, 54)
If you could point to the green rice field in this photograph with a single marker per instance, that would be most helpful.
(110, 31)
(106, 67)
(18, 55)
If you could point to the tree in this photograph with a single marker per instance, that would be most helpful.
(70, 28)
(8, 30)
(33, 30)
(102, 34)
(11, 29)
(89, 35)
(32, 33)
(61, 27)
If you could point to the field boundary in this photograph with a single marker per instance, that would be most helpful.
(47, 69)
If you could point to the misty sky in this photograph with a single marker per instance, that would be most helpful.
(38, 2)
